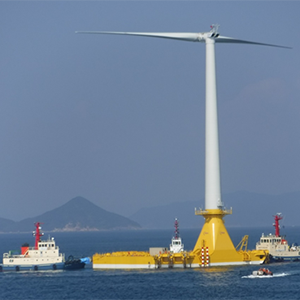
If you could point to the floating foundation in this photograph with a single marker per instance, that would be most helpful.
(195, 259)
(213, 248)
(217, 243)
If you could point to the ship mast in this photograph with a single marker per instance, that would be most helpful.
(277, 218)
(38, 234)
(176, 225)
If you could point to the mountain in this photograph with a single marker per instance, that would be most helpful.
(248, 210)
(6, 225)
(79, 214)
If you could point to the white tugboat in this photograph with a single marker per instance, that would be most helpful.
(176, 245)
(277, 245)
(176, 257)
(43, 256)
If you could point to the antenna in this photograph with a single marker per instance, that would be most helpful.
(38, 234)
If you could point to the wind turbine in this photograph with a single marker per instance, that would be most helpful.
(214, 234)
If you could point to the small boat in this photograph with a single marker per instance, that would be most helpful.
(76, 263)
(262, 272)
(44, 255)
(277, 246)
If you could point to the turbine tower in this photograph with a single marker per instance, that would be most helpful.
(214, 235)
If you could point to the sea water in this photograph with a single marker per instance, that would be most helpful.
(203, 283)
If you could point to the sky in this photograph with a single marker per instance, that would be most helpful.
(119, 120)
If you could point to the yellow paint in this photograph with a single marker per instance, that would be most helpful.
(127, 258)
(215, 236)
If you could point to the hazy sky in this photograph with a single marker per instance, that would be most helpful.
(120, 120)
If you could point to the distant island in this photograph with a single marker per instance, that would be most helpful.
(78, 214)
(248, 210)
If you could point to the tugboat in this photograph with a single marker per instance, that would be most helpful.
(277, 245)
(176, 245)
(176, 257)
(262, 272)
(43, 256)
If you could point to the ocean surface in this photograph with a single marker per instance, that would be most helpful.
(203, 283)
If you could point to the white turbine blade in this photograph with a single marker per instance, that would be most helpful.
(224, 39)
(184, 36)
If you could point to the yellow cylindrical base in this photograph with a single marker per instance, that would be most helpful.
(216, 239)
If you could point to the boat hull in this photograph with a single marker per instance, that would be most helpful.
(280, 258)
(74, 266)
(57, 266)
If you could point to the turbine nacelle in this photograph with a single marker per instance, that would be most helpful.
(214, 30)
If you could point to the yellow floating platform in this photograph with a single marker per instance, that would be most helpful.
(213, 248)
(200, 258)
